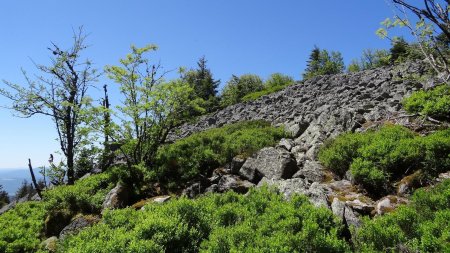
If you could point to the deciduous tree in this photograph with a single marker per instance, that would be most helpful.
(60, 92)
(151, 107)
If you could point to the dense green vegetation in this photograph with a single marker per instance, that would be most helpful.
(21, 228)
(85, 196)
(377, 159)
(274, 83)
(422, 226)
(204, 85)
(200, 153)
(237, 87)
(261, 221)
(432, 103)
(321, 62)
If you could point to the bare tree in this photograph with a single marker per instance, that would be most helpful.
(59, 92)
(433, 10)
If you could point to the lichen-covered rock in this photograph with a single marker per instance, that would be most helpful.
(118, 197)
(311, 171)
(77, 224)
(233, 182)
(161, 199)
(272, 163)
(388, 204)
(350, 217)
(286, 144)
(50, 244)
(287, 187)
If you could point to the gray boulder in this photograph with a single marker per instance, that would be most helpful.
(311, 171)
(286, 144)
(318, 194)
(236, 164)
(233, 182)
(118, 197)
(272, 163)
(350, 217)
(77, 224)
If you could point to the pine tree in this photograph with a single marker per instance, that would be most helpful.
(203, 83)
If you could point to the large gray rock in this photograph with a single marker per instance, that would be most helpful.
(311, 171)
(350, 217)
(286, 144)
(388, 204)
(118, 197)
(236, 164)
(272, 163)
(317, 193)
(77, 224)
(233, 182)
(287, 187)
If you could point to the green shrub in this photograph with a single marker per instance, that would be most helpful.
(202, 152)
(274, 83)
(86, 195)
(339, 153)
(377, 159)
(237, 87)
(260, 221)
(434, 103)
(22, 227)
(422, 226)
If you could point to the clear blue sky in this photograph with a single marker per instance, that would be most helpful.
(236, 36)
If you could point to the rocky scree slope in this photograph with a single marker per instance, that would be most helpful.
(320, 108)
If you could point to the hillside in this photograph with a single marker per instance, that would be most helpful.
(233, 180)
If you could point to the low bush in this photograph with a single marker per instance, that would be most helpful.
(261, 221)
(22, 227)
(274, 83)
(433, 103)
(202, 152)
(422, 226)
(377, 159)
(85, 196)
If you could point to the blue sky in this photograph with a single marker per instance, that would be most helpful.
(235, 36)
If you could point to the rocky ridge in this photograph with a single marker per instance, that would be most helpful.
(320, 108)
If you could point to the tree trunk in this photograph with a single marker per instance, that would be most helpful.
(33, 179)
(70, 164)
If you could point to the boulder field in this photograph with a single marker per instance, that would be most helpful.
(312, 112)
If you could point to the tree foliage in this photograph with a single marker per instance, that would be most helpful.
(237, 87)
(370, 59)
(151, 106)
(321, 62)
(203, 84)
(61, 94)
(274, 83)
(430, 30)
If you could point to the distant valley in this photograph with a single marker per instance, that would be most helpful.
(11, 179)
